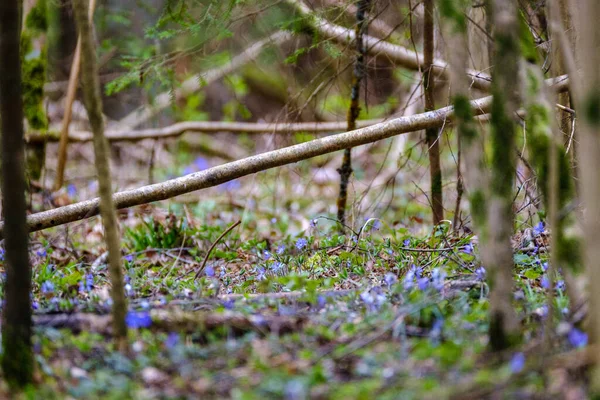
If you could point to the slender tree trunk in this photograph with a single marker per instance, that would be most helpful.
(17, 356)
(497, 256)
(354, 109)
(433, 144)
(93, 104)
(589, 159)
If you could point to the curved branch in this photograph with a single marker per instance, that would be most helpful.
(375, 47)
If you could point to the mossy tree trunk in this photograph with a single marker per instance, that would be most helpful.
(589, 159)
(497, 255)
(354, 110)
(17, 356)
(93, 103)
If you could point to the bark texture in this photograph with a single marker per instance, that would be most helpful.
(589, 159)
(354, 110)
(497, 256)
(431, 134)
(93, 103)
(17, 355)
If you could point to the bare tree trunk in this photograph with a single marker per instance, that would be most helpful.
(589, 159)
(497, 256)
(358, 74)
(17, 357)
(431, 134)
(93, 103)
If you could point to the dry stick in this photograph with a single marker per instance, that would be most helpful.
(213, 246)
(71, 91)
(431, 134)
(93, 102)
(261, 162)
(359, 71)
(376, 47)
(196, 82)
(180, 128)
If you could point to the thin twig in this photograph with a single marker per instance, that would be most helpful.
(213, 246)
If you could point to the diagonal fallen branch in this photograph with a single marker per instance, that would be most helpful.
(376, 47)
(261, 162)
(193, 84)
(180, 128)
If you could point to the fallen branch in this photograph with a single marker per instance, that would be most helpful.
(177, 320)
(193, 84)
(376, 47)
(261, 162)
(180, 128)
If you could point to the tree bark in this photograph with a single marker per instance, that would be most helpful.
(431, 134)
(497, 256)
(93, 104)
(17, 357)
(354, 110)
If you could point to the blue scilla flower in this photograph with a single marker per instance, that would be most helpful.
(141, 319)
(517, 362)
(301, 243)
(47, 287)
(577, 338)
(538, 229)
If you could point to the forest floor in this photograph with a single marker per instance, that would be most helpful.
(287, 306)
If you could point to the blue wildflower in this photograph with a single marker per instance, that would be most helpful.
(229, 304)
(313, 223)
(560, 285)
(468, 248)
(188, 170)
(538, 229)
(517, 363)
(281, 249)
(172, 340)
(260, 273)
(129, 258)
(209, 271)
(273, 220)
(1, 253)
(200, 163)
(406, 242)
(47, 287)
(321, 301)
(277, 267)
(136, 320)
(231, 185)
(376, 225)
(422, 283)
(577, 338)
(266, 255)
(301, 243)
(409, 280)
(438, 277)
(41, 253)
(545, 282)
(222, 272)
(390, 279)
(545, 267)
(71, 190)
(480, 273)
